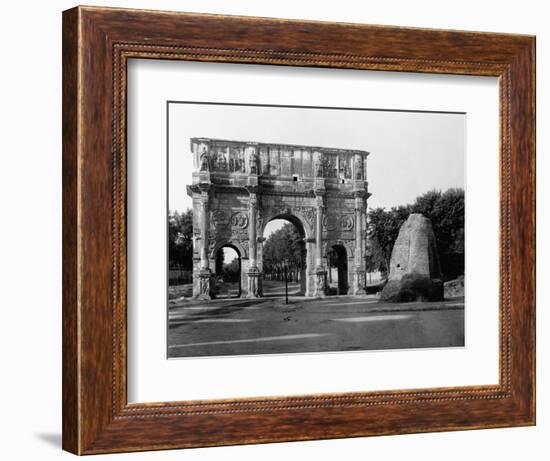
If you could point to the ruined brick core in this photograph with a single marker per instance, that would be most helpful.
(415, 251)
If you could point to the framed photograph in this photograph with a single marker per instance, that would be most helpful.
(281, 230)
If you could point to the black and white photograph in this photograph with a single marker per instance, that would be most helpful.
(301, 229)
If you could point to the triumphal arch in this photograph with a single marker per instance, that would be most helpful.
(239, 186)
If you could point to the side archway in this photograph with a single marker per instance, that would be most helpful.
(230, 277)
(339, 261)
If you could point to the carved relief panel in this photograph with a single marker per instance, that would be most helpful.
(239, 225)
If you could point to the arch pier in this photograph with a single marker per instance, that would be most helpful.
(239, 186)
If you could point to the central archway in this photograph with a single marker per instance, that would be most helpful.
(282, 256)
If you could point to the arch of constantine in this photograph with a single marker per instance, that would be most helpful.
(239, 186)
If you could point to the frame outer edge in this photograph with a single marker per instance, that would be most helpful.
(70, 210)
(523, 234)
(90, 420)
(527, 64)
(533, 179)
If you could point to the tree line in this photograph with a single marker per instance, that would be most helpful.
(180, 240)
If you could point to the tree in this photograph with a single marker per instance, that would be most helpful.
(231, 271)
(375, 257)
(220, 259)
(446, 211)
(180, 239)
(383, 229)
(285, 244)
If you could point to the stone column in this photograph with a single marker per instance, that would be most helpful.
(253, 244)
(254, 279)
(205, 264)
(259, 261)
(359, 260)
(310, 266)
(303, 271)
(358, 230)
(319, 232)
(206, 283)
(320, 273)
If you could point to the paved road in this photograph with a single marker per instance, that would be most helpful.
(346, 323)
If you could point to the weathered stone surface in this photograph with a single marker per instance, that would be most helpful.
(412, 287)
(239, 186)
(206, 285)
(414, 267)
(415, 251)
(254, 289)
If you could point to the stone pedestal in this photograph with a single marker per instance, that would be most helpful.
(319, 289)
(254, 283)
(206, 285)
(358, 282)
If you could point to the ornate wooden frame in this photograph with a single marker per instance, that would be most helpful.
(97, 42)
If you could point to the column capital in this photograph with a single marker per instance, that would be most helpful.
(204, 188)
(252, 189)
(319, 187)
(359, 204)
(253, 203)
(193, 189)
(320, 201)
(204, 198)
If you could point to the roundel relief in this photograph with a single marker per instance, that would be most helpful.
(330, 222)
(341, 222)
(239, 220)
(347, 222)
(218, 217)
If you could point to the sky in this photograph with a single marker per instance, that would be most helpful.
(410, 152)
